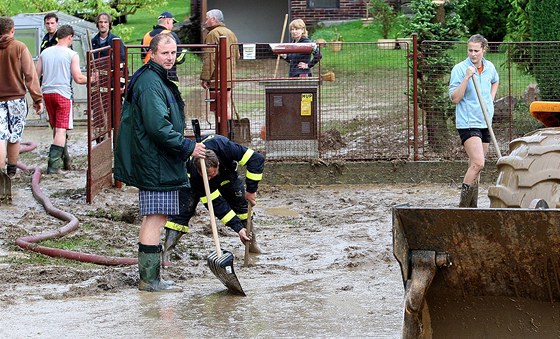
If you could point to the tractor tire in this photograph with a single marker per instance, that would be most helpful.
(530, 171)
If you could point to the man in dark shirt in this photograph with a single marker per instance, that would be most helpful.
(51, 25)
(105, 37)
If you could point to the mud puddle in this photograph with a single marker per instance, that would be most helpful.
(327, 271)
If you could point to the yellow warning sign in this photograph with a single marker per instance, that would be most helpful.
(306, 99)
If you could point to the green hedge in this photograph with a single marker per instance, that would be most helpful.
(544, 17)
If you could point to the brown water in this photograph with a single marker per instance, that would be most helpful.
(327, 271)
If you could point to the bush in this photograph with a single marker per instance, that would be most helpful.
(488, 18)
(382, 12)
(544, 16)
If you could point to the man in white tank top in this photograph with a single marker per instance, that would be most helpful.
(59, 65)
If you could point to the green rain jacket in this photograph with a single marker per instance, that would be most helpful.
(151, 150)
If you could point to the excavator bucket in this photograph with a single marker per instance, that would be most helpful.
(479, 273)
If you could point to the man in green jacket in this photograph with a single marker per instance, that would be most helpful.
(151, 153)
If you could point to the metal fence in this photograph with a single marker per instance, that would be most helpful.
(100, 122)
(520, 67)
(364, 99)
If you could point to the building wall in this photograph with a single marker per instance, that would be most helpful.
(349, 9)
(253, 20)
(259, 20)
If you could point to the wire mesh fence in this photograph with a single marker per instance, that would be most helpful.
(357, 105)
(361, 107)
(519, 65)
(354, 106)
(99, 96)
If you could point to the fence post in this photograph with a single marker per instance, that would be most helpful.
(117, 94)
(223, 100)
(415, 93)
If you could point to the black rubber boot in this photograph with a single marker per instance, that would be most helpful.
(149, 267)
(474, 199)
(467, 192)
(11, 170)
(171, 239)
(253, 246)
(55, 159)
(66, 159)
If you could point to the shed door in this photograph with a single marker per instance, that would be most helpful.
(253, 20)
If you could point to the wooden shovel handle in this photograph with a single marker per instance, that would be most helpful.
(486, 117)
(249, 228)
(210, 207)
(281, 41)
(196, 130)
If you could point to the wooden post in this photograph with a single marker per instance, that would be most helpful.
(281, 41)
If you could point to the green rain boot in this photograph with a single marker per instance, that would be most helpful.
(66, 159)
(55, 159)
(171, 239)
(467, 192)
(149, 267)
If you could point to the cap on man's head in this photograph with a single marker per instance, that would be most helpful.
(167, 15)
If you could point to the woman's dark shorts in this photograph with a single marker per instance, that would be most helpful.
(482, 133)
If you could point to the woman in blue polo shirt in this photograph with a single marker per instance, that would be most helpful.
(469, 118)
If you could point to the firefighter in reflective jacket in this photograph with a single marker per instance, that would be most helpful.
(229, 196)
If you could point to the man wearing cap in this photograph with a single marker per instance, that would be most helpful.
(165, 24)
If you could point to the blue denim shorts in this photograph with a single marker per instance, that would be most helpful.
(481, 133)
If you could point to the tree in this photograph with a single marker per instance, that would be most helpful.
(518, 27)
(89, 9)
(381, 11)
(440, 22)
(488, 18)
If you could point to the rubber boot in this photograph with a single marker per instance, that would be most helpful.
(253, 246)
(149, 267)
(11, 170)
(66, 159)
(171, 239)
(467, 192)
(55, 159)
(474, 199)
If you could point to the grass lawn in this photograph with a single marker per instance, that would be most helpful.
(353, 31)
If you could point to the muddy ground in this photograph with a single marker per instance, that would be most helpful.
(327, 271)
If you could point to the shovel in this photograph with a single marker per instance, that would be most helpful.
(486, 117)
(241, 128)
(220, 262)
